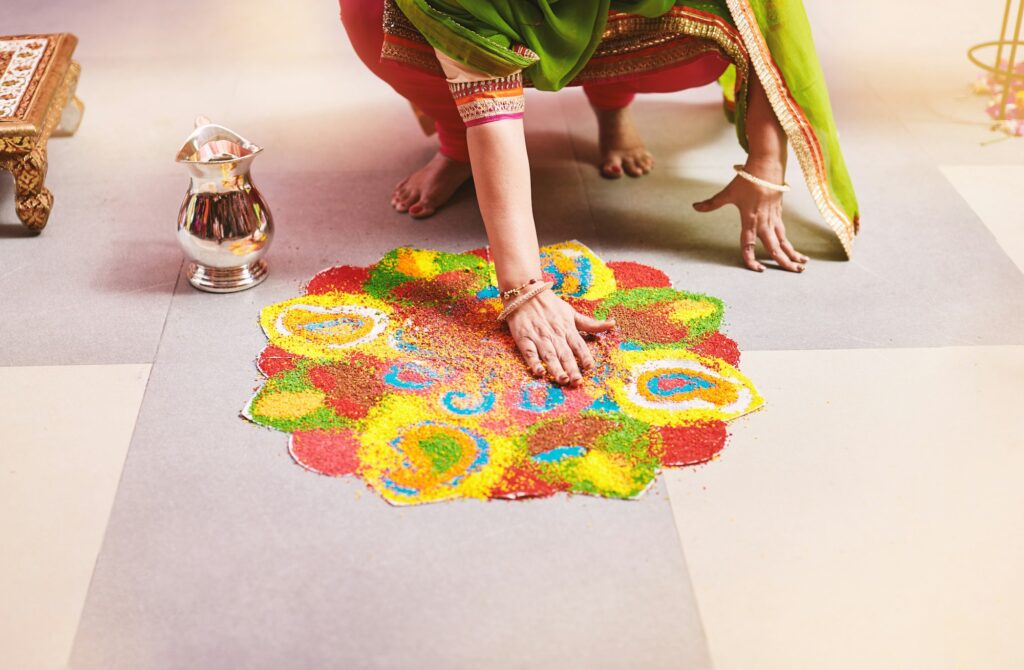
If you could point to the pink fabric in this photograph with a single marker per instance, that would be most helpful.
(491, 119)
(700, 71)
(364, 23)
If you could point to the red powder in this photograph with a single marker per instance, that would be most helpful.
(717, 345)
(689, 445)
(329, 453)
(524, 482)
(482, 252)
(570, 430)
(441, 288)
(274, 359)
(351, 387)
(344, 278)
(582, 306)
(650, 324)
(634, 275)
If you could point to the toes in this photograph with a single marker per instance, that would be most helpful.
(396, 195)
(646, 162)
(423, 208)
(404, 199)
(612, 167)
(631, 167)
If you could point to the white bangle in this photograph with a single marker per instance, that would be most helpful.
(523, 298)
(781, 188)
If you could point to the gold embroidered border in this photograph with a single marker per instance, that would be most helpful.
(685, 50)
(625, 36)
(479, 109)
(425, 61)
(404, 44)
(628, 36)
(395, 23)
(794, 123)
(461, 89)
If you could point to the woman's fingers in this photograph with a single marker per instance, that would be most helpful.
(529, 351)
(551, 360)
(748, 243)
(568, 360)
(717, 201)
(581, 351)
(547, 332)
(787, 247)
(591, 325)
(771, 243)
(560, 357)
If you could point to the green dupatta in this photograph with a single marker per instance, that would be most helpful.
(560, 36)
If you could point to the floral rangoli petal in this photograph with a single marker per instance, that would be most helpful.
(400, 375)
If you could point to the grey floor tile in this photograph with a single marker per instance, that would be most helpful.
(926, 270)
(222, 553)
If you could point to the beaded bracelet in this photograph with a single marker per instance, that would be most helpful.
(513, 292)
(781, 188)
(523, 299)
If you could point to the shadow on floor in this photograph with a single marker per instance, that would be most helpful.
(712, 238)
(668, 127)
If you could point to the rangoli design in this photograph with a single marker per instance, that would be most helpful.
(398, 373)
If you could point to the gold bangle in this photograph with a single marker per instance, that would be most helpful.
(513, 292)
(781, 188)
(523, 299)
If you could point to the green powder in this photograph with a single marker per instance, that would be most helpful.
(443, 450)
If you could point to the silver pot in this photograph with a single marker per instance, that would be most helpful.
(224, 225)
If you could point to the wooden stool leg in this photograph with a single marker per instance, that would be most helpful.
(70, 118)
(32, 199)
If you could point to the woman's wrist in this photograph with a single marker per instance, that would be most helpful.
(769, 168)
(517, 272)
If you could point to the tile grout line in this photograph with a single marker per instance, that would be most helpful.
(124, 467)
(675, 524)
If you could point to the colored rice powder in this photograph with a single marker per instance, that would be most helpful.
(399, 374)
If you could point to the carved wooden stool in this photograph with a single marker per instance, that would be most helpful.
(37, 99)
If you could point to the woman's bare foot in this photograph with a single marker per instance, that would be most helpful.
(425, 191)
(622, 148)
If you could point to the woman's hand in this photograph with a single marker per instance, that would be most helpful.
(761, 218)
(547, 331)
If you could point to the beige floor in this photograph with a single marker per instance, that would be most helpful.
(63, 441)
(996, 194)
(868, 517)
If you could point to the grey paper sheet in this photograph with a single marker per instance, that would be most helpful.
(221, 553)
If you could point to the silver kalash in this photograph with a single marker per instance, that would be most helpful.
(224, 225)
